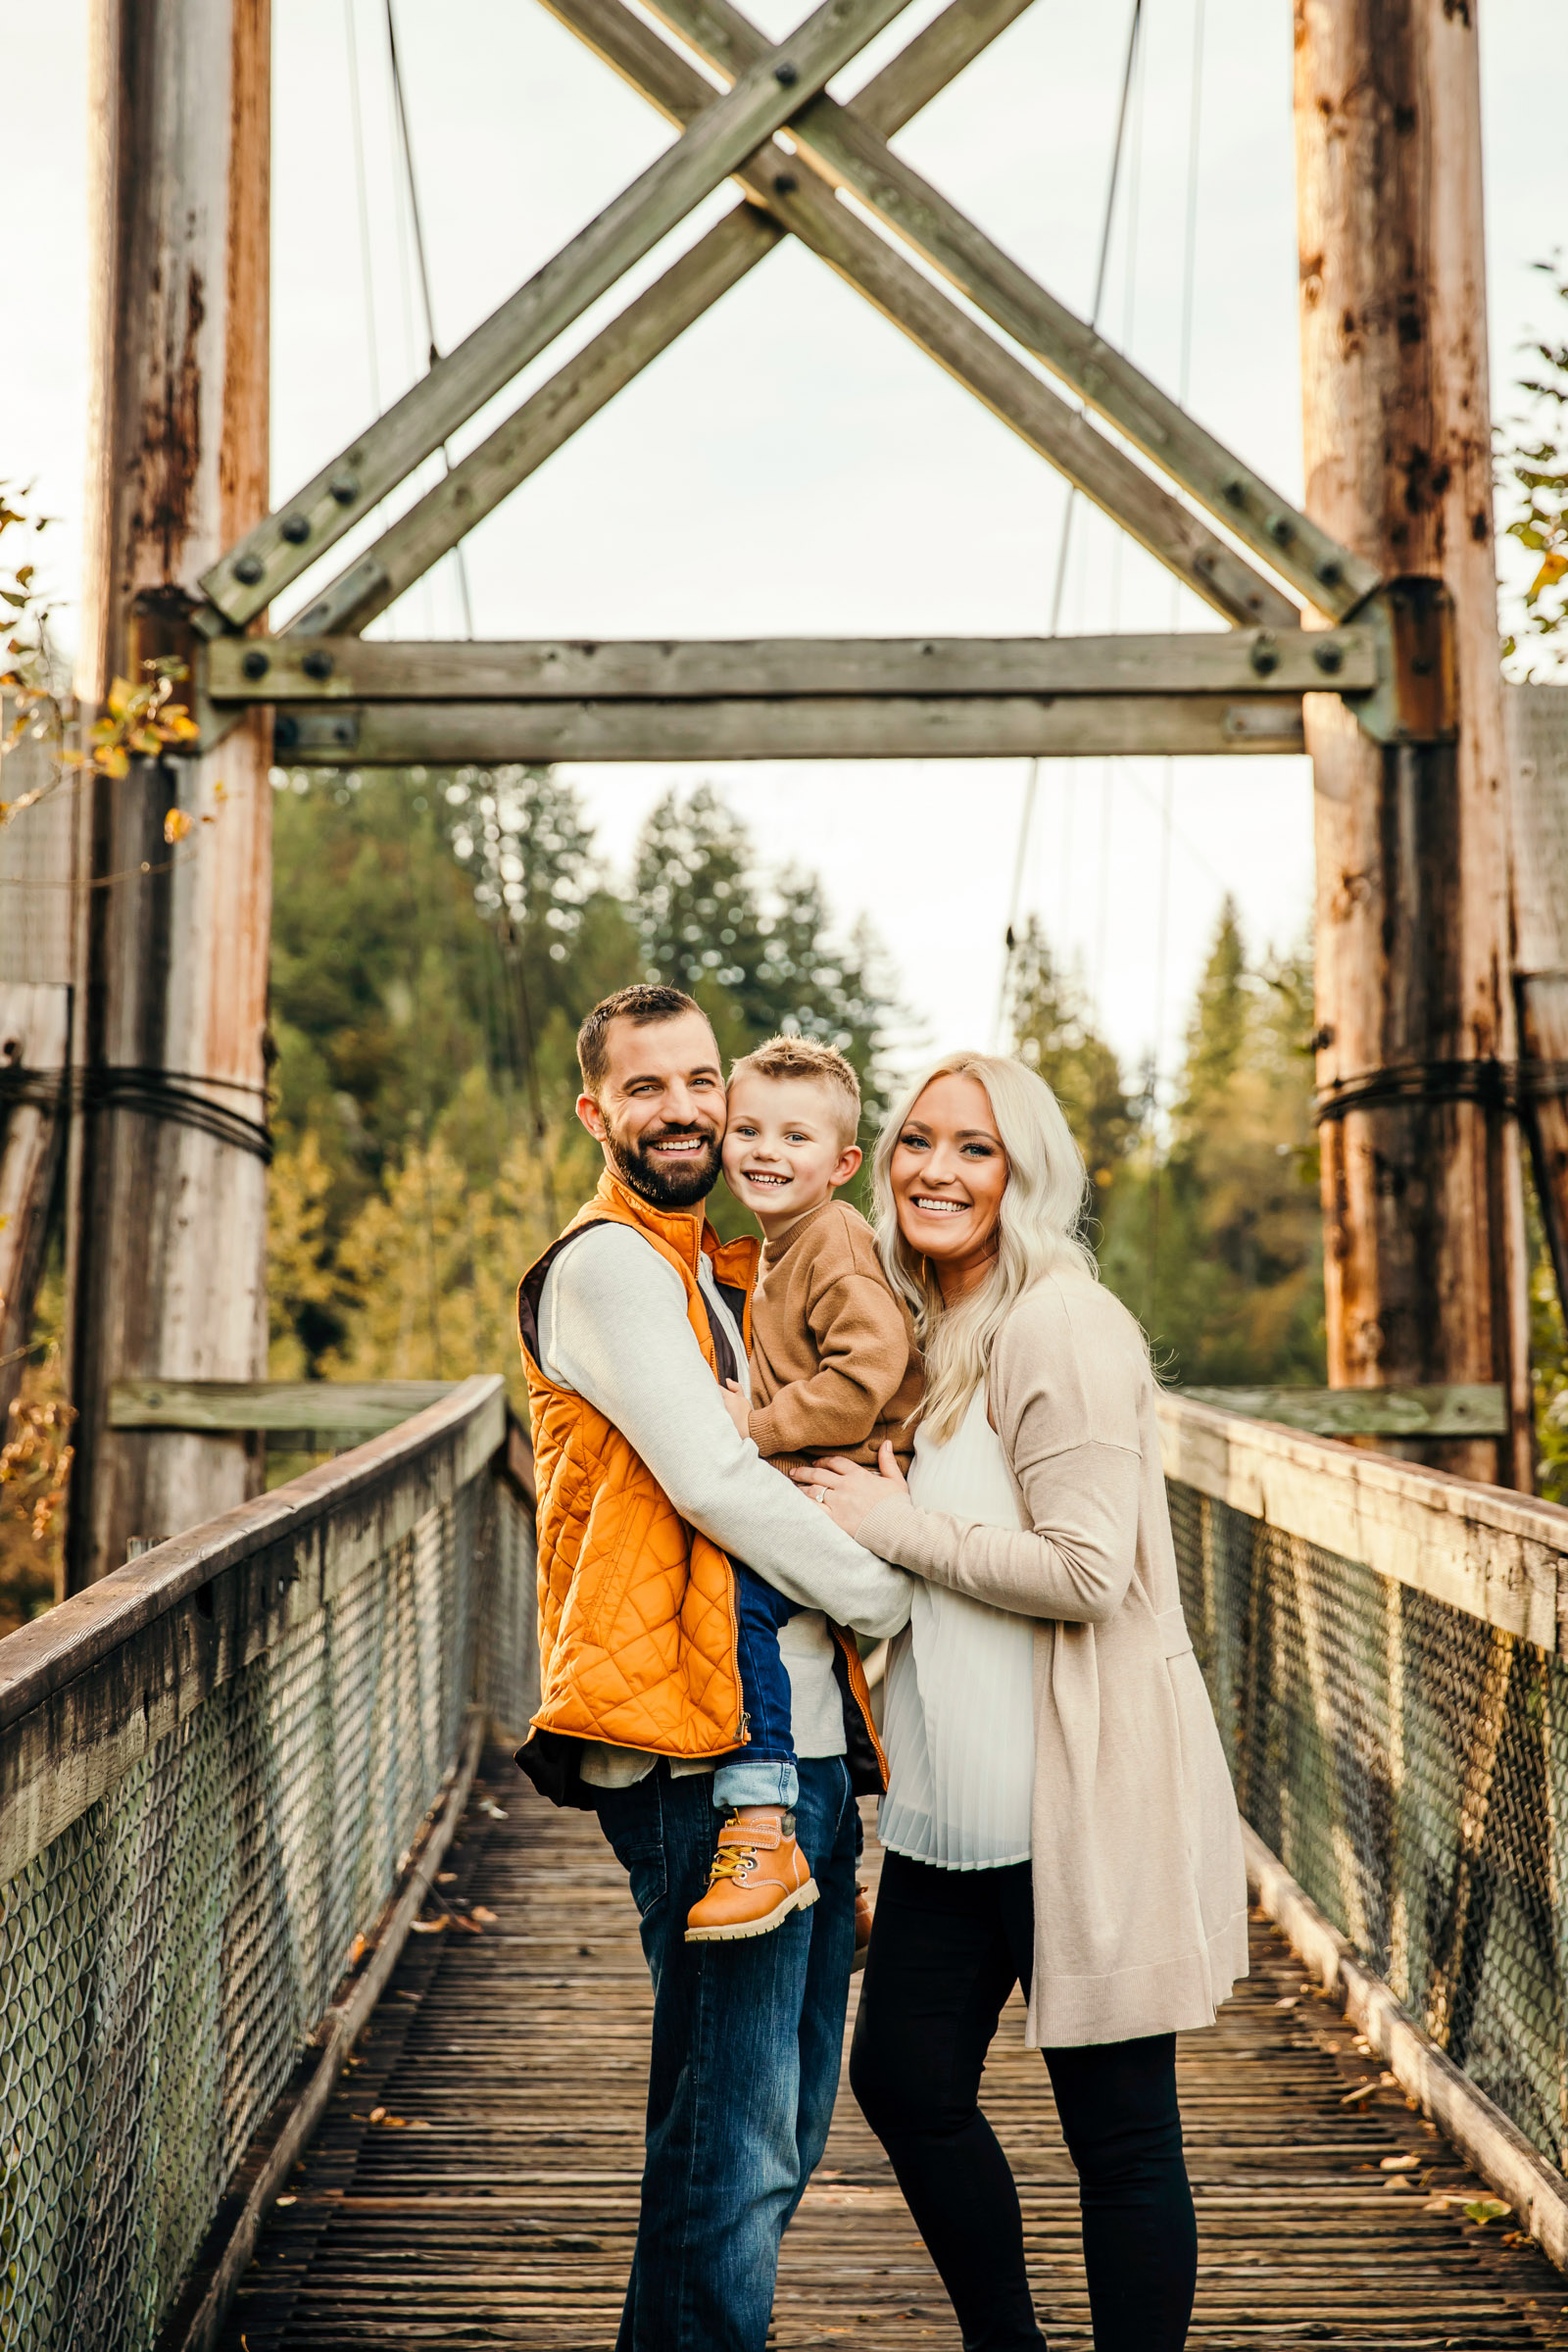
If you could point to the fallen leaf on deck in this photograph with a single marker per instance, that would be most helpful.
(287, 2200)
(486, 1919)
(376, 2113)
(446, 1877)
(1481, 2210)
(429, 1927)
(1400, 2164)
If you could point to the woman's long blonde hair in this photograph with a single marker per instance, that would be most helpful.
(1040, 1228)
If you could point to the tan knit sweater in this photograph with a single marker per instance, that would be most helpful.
(834, 1364)
(1139, 1883)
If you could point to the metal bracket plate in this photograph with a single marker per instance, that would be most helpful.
(1416, 697)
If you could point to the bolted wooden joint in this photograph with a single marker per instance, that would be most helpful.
(1417, 698)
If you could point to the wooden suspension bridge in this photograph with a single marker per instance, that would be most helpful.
(252, 1891)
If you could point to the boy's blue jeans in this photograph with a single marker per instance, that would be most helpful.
(762, 1771)
(745, 2064)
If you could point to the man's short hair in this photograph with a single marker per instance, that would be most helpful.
(808, 1058)
(643, 1004)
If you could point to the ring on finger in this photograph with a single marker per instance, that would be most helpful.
(820, 1494)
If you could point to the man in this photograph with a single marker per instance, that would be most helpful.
(631, 1323)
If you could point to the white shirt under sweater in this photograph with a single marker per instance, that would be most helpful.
(613, 1328)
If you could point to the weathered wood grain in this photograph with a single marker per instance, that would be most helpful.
(1252, 663)
(801, 728)
(333, 1407)
(166, 1221)
(1499, 1556)
(1425, 1261)
(1433, 1412)
(501, 2210)
(35, 1036)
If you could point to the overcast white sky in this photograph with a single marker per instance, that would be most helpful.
(793, 466)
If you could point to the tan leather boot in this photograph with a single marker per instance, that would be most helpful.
(760, 1875)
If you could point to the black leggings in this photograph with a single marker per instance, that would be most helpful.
(946, 1948)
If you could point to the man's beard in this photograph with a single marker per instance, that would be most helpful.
(679, 1186)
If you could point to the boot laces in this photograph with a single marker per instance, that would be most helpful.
(729, 1861)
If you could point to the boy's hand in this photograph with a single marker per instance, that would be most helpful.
(738, 1406)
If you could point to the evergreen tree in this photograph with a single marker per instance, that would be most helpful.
(758, 959)
(1054, 1032)
(1218, 1243)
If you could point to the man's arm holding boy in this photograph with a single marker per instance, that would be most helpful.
(616, 1332)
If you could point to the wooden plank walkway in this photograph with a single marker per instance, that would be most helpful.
(476, 2180)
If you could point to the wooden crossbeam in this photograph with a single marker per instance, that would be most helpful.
(1249, 662)
(759, 102)
(845, 726)
(855, 157)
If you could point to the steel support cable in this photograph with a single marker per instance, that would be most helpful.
(421, 259)
(177, 1097)
(1032, 782)
(1168, 791)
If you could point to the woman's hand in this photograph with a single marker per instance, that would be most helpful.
(847, 1493)
(737, 1407)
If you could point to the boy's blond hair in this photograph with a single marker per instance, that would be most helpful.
(807, 1057)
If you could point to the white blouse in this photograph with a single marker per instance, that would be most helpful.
(958, 1719)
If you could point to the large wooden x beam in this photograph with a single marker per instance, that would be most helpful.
(847, 149)
(799, 199)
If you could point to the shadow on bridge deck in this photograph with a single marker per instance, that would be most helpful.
(492, 2200)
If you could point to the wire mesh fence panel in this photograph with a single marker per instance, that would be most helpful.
(1409, 1763)
(508, 1686)
(165, 1959)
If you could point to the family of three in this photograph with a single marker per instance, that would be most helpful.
(938, 1432)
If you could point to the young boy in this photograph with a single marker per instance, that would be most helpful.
(834, 1370)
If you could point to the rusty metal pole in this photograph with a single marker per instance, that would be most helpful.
(167, 1248)
(1425, 1249)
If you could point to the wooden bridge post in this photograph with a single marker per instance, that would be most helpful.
(167, 1189)
(1424, 1225)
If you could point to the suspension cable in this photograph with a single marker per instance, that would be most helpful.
(1168, 792)
(422, 258)
(1032, 782)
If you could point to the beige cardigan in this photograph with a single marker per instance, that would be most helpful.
(1139, 1883)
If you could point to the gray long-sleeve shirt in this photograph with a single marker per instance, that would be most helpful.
(613, 1328)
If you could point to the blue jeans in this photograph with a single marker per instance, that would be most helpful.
(745, 2064)
(763, 1769)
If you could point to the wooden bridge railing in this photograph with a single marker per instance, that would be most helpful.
(1386, 1651)
(215, 1766)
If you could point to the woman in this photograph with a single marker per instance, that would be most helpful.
(1059, 1811)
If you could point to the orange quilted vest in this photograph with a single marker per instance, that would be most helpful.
(637, 1634)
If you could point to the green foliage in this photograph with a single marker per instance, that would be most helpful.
(1054, 1032)
(1211, 1232)
(1532, 479)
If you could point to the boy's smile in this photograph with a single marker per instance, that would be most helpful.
(784, 1148)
